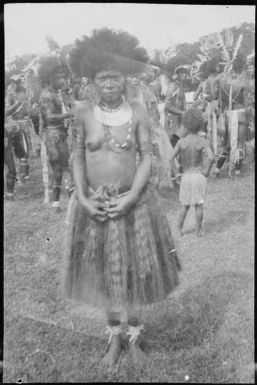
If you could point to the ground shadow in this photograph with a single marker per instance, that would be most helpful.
(222, 223)
(201, 313)
(168, 327)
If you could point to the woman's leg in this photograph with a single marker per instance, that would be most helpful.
(57, 183)
(11, 173)
(241, 147)
(182, 217)
(114, 329)
(21, 150)
(134, 328)
(199, 218)
(224, 154)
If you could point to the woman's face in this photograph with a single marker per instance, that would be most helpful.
(134, 79)
(182, 75)
(250, 70)
(110, 85)
(57, 81)
(150, 74)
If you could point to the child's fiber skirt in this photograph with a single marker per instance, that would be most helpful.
(127, 260)
(192, 188)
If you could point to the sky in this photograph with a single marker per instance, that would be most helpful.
(155, 25)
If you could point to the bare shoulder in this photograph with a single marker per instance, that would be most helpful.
(203, 143)
(137, 106)
(82, 110)
(172, 87)
(219, 78)
(139, 109)
(182, 142)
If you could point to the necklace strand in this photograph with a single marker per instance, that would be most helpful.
(124, 145)
(104, 108)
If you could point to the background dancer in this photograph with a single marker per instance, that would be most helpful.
(160, 140)
(9, 147)
(250, 101)
(175, 105)
(18, 124)
(52, 73)
(232, 102)
(193, 183)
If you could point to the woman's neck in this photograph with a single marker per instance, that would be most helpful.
(112, 105)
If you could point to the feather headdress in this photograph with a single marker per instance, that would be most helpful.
(218, 49)
(250, 59)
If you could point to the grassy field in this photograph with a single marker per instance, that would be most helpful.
(203, 333)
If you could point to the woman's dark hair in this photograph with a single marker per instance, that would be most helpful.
(107, 49)
(50, 66)
(193, 120)
(173, 63)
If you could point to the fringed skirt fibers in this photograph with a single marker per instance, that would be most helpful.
(127, 260)
(192, 189)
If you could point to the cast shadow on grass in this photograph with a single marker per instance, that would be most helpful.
(171, 328)
(222, 223)
(27, 195)
(200, 315)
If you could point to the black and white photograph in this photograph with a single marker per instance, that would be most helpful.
(129, 193)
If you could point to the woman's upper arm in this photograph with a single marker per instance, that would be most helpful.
(143, 130)
(176, 149)
(80, 128)
(207, 149)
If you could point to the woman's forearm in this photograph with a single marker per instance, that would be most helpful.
(173, 110)
(12, 109)
(53, 117)
(173, 166)
(142, 176)
(79, 167)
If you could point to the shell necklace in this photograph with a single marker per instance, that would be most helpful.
(113, 117)
(121, 116)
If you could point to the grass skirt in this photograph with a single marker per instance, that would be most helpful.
(192, 188)
(127, 260)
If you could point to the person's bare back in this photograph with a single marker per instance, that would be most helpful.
(191, 150)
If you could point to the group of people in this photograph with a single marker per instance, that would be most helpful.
(118, 137)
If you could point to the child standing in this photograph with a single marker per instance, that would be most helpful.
(190, 151)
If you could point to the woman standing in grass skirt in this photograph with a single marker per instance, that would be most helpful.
(120, 252)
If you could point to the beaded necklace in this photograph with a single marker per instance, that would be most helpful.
(104, 108)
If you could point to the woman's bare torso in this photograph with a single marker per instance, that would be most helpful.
(105, 162)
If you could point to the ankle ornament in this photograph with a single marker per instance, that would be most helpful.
(133, 332)
(112, 331)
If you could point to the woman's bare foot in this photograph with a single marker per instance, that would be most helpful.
(180, 231)
(113, 353)
(138, 357)
(200, 233)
